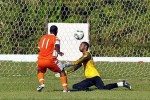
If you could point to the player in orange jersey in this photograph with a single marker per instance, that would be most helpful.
(49, 49)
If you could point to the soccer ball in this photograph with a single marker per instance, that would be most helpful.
(79, 35)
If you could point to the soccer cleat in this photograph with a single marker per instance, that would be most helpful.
(127, 85)
(65, 91)
(39, 89)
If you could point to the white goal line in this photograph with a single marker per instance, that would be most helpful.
(33, 58)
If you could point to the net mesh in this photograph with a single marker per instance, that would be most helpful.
(118, 28)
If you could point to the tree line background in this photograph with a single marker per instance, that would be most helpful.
(117, 27)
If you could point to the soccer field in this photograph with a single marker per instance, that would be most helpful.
(19, 82)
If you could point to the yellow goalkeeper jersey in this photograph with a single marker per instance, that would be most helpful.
(88, 63)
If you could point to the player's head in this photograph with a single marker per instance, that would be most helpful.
(84, 46)
(53, 30)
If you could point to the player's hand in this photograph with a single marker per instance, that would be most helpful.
(61, 53)
(68, 63)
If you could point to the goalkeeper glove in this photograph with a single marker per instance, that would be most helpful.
(67, 64)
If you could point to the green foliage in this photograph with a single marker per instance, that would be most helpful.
(117, 27)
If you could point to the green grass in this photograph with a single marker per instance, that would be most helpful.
(18, 81)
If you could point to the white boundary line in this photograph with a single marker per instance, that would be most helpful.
(33, 58)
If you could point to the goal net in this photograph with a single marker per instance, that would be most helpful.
(119, 36)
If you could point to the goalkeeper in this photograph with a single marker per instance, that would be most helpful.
(91, 74)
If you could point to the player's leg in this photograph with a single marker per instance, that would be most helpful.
(41, 80)
(116, 85)
(111, 86)
(58, 67)
(84, 85)
(63, 79)
(40, 74)
(100, 85)
(98, 82)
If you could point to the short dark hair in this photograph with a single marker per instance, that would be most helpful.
(87, 44)
(53, 29)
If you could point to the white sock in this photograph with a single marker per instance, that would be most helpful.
(43, 85)
(120, 83)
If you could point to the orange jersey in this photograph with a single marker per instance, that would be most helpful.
(47, 46)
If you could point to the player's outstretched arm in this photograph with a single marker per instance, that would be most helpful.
(74, 68)
(83, 59)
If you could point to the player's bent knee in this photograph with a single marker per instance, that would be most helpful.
(79, 87)
(75, 86)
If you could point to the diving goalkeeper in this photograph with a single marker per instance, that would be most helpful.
(91, 74)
